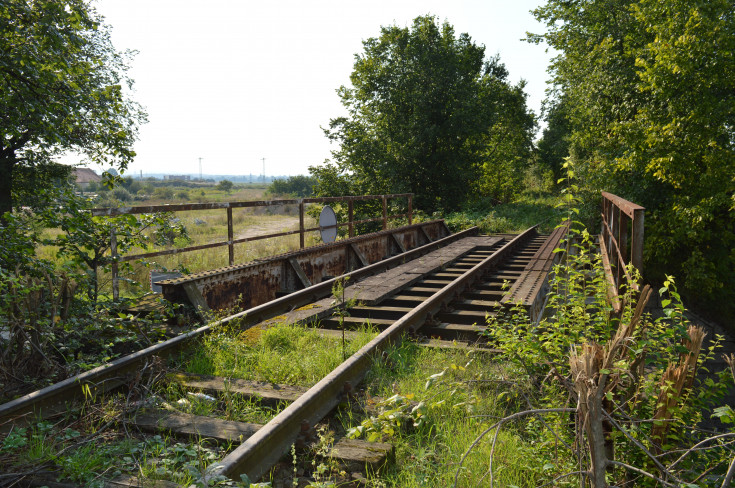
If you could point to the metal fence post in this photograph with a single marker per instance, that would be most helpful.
(636, 241)
(301, 223)
(351, 214)
(113, 251)
(230, 236)
(385, 212)
(410, 209)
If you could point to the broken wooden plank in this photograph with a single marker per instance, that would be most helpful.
(360, 455)
(267, 393)
(354, 454)
(188, 425)
(458, 346)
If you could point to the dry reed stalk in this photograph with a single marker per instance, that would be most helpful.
(675, 382)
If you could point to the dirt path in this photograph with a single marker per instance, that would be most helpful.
(271, 227)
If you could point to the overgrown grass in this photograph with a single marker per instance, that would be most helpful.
(457, 395)
(529, 209)
(285, 353)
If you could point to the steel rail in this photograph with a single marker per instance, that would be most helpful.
(112, 375)
(255, 456)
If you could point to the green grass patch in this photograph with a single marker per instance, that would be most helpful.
(436, 404)
(528, 210)
(285, 353)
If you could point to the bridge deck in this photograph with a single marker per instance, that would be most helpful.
(385, 297)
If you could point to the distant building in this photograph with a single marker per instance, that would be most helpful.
(177, 177)
(84, 176)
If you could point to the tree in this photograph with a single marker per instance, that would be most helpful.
(61, 89)
(299, 185)
(225, 186)
(508, 142)
(553, 148)
(420, 112)
(84, 240)
(648, 91)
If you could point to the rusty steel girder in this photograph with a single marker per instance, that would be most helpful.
(249, 285)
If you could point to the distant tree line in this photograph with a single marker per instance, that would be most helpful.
(297, 186)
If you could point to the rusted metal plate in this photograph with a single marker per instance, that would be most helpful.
(254, 283)
(532, 286)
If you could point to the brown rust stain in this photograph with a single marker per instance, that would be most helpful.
(246, 286)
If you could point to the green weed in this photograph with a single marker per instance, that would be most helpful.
(433, 415)
(285, 354)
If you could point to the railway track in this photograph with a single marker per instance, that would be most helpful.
(441, 298)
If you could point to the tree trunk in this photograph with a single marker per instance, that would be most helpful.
(7, 164)
(597, 439)
(589, 386)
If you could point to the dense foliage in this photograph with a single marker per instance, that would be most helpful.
(638, 368)
(298, 186)
(428, 114)
(62, 87)
(645, 99)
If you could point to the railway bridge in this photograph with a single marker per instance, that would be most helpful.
(417, 281)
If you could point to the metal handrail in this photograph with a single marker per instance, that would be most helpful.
(621, 242)
(231, 241)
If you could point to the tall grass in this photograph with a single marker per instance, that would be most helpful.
(529, 209)
(285, 353)
(470, 394)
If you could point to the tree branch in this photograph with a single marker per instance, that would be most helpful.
(695, 446)
(640, 471)
(730, 474)
(640, 446)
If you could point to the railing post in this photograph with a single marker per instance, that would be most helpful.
(301, 223)
(230, 236)
(617, 224)
(113, 252)
(351, 213)
(385, 212)
(636, 241)
(410, 209)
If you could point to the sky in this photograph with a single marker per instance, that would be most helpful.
(236, 81)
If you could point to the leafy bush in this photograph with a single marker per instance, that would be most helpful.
(121, 194)
(643, 368)
(298, 186)
(163, 192)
